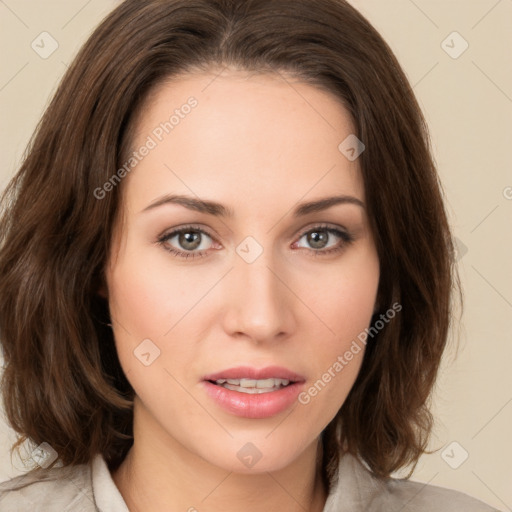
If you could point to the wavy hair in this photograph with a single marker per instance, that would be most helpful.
(62, 382)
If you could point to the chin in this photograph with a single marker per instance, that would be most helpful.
(256, 456)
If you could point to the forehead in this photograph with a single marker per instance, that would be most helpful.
(255, 137)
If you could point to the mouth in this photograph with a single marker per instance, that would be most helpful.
(252, 386)
(247, 379)
(254, 393)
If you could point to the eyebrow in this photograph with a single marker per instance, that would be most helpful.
(219, 210)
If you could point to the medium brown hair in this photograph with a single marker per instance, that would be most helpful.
(63, 383)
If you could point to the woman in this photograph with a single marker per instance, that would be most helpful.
(226, 269)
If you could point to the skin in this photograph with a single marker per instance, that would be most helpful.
(259, 145)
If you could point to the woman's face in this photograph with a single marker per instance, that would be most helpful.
(229, 263)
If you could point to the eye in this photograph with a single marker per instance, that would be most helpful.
(187, 242)
(192, 241)
(324, 239)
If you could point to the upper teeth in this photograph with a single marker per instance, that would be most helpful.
(253, 383)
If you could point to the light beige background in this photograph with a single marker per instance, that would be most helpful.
(468, 104)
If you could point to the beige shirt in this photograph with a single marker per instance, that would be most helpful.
(87, 488)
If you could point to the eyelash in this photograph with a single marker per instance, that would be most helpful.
(345, 237)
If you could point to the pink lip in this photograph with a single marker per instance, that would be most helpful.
(247, 372)
(258, 406)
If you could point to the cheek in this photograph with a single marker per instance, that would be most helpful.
(344, 297)
(152, 300)
(344, 300)
(149, 297)
(135, 301)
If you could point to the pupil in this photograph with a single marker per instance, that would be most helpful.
(190, 240)
(317, 239)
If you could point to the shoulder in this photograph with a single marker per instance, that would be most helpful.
(358, 490)
(50, 490)
(419, 497)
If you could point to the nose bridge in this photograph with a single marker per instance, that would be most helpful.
(260, 306)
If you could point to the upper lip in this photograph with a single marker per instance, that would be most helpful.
(248, 372)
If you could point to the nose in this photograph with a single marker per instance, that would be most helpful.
(259, 305)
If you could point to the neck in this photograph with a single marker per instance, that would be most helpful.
(160, 474)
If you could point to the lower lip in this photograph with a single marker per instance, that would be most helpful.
(262, 405)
